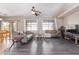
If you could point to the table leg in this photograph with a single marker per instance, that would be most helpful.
(11, 45)
(76, 40)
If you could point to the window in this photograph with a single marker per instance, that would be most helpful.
(5, 25)
(15, 26)
(48, 26)
(31, 26)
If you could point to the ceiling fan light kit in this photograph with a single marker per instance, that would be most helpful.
(35, 12)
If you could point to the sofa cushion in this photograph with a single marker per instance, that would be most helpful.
(28, 32)
(30, 35)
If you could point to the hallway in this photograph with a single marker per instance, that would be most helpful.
(44, 47)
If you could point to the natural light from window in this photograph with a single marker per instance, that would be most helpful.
(32, 26)
(47, 26)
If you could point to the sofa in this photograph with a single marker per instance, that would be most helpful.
(28, 37)
(51, 34)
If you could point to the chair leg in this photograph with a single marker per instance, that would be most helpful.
(11, 45)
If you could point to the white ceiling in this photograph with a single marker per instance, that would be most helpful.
(47, 9)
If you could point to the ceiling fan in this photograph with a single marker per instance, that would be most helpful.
(35, 12)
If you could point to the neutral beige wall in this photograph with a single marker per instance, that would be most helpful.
(59, 22)
(72, 20)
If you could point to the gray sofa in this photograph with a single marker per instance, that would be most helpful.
(51, 33)
(28, 37)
